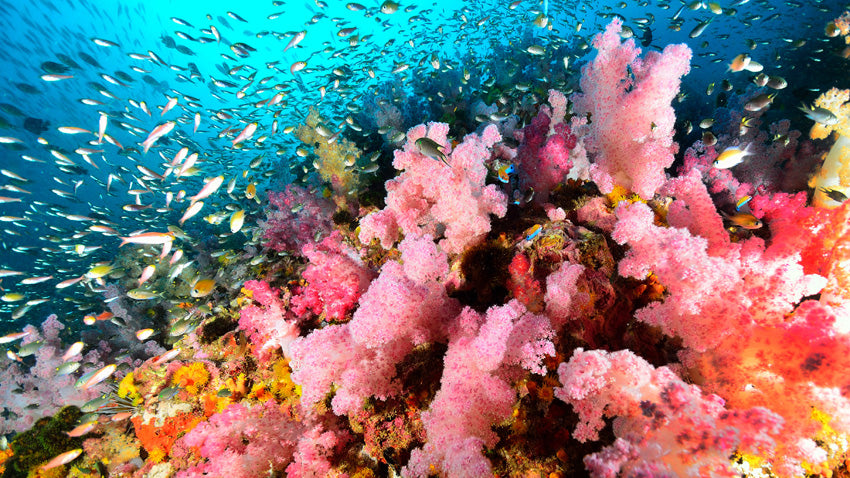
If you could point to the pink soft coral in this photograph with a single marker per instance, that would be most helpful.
(429, 197)
(269, 325)
(475, 393)
(336, 277)
(692, 208)
(561, 292)
(407, 305)
(242, 442)
(714, 287)
(662, 424)
(696, 281)
(630, 136)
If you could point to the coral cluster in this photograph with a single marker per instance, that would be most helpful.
(455, 208)
(28, 392)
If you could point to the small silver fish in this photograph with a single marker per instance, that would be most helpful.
(819, 115)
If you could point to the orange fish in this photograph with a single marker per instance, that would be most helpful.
(148, 238)
(91, 319)
(99, 376)
(62, 459)
(81, 430)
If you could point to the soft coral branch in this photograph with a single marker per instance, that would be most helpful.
(429, 197)
(664, 426)
(630, 136)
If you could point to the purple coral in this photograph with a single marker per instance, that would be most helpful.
(21, 387)
(296, 217)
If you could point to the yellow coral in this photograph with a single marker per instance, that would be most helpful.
(835, 443)
(157, 455)
(282, 386)
(363, 473)
(260, 393)
(620, 193)
(834, 100)
(127, 389)
(835, 173)
(337, 159)
(192, 377)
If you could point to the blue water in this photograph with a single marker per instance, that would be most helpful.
(487, 39)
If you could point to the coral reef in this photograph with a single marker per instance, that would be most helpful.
(560, 306)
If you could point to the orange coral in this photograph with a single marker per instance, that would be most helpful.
(214, 404)
(191, 377)
(4, 455)
(260, 393)
(158, 440)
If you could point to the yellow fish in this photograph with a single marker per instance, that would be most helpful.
(99, 271)
(744, 220)
(12, 297)
(237, 219)
(203, 288)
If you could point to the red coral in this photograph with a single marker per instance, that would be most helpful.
(522, 284)
(543, 158)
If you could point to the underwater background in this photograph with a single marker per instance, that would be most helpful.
(329, 238)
